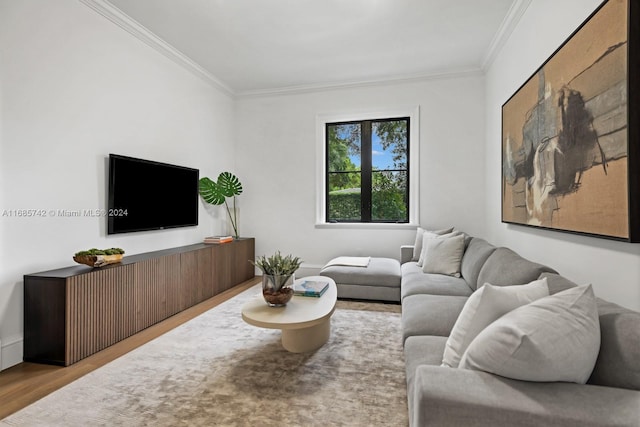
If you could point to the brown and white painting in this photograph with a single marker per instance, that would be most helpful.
(564, 134)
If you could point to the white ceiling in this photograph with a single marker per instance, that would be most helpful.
(254, 46)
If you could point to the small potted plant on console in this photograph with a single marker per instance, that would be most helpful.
(277, 277)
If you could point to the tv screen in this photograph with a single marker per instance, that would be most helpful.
(147, 195)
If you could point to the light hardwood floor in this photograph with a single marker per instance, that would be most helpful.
(25, 383)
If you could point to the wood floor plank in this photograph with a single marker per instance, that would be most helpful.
(25, 383)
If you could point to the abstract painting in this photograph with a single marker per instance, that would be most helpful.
(569, 157)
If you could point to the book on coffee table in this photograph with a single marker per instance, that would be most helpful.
(310, 288)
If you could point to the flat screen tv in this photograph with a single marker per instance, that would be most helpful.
(146, 195)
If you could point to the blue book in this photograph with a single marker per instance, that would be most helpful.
(310, 288)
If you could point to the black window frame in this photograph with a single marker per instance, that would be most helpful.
(366, 171)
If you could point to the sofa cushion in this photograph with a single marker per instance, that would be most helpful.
(423, 350)
(504, 267)
(379, 272)
(417, 246)
(443, 256)
(460, 397)
(430, 314)
(414, 282)
(557, 283)
(482, 308)
(420, 350)
(474, 258)
(555, 338)
(618, 363)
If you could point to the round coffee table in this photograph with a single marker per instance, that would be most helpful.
(305, 321)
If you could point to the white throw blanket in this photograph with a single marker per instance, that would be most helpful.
(351, 261)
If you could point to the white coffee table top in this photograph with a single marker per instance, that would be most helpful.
(300, 312)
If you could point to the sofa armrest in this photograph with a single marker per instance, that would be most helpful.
(455, 397)
(406, 253)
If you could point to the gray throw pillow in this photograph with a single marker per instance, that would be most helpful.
(555, 338)
(427, 235)
(443, 255)
(417, 245)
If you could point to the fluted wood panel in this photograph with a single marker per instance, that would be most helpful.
(174, 284)
(197, 276)
(223, 264)
(244, 253)
(157, 288)
(206, 280)
(100, 311)
(231, 263)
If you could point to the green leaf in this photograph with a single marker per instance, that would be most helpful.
(216, 193)
(229, 184)
(211, 192)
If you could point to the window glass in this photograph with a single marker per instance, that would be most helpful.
(367, 171)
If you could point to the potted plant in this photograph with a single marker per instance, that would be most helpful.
(277, 270)
(217, 192)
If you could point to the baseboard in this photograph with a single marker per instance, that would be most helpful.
(11, 350)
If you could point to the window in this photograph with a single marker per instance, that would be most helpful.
(367, 171)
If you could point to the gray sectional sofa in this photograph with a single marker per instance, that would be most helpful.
(443, 396)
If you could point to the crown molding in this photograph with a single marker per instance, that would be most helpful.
(292, 90)
(118, 17)
(509, 23)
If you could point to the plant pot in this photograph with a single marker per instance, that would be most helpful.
(277, 290)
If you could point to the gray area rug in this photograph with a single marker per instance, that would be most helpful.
(216, 370)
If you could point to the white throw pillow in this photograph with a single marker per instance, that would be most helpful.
(482, 308)
(417, 245)
(428, 235)
(443, 255)
(555, 338)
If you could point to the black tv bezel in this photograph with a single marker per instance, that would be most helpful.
(110, 194)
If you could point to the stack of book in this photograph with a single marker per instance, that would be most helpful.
(310, 288)
(218, 239)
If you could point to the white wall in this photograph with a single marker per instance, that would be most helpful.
(276, 138)
(612, 267)
(74, 88)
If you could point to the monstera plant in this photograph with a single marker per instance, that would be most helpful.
(217, 192)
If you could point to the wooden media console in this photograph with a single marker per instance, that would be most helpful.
(73, 312)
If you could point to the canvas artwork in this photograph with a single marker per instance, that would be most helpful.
(565, 134)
